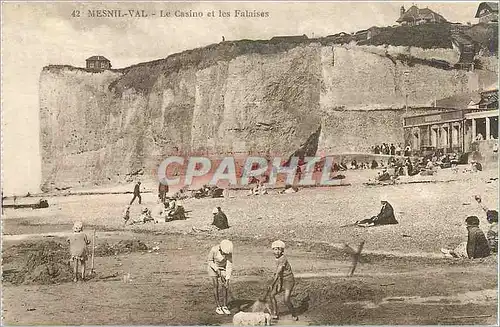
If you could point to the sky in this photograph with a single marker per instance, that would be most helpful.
(38, 34)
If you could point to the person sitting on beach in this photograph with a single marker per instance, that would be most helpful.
(384, 176)
(289, 189)
(409, 167)
(143, 218)
(219, 222)
(263, 188)
(398, 149)
(476, 245)
(220, 219)
(384, 217)
(476, 166)
(492, 233)
(256, 190)
(492, 218)
(429, 169)
(175, 212)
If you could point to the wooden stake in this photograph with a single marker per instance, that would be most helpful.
(92, 270)
(355, 257)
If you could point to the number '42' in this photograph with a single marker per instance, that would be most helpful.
(75, 13)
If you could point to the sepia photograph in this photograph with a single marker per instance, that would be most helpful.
(249, 163)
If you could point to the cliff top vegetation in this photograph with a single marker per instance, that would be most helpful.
(142, 76)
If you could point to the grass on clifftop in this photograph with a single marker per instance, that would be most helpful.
(486, 35)
(425, 36)
(141, 77)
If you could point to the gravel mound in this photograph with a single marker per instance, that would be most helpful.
(123, 246)
(327, 292)
(45, 262)
(48, 262)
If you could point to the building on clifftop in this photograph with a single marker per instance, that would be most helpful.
(416, 16)
(98, 63)
(487, 12)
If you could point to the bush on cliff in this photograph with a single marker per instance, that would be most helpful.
(426, 36)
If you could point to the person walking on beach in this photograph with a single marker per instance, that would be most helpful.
(137, 193)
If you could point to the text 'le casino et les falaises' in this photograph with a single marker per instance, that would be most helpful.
(119, 13)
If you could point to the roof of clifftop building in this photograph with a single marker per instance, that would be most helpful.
(101, 58)
(414, 14)
(493, 6)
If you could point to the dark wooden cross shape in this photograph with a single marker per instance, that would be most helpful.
(355, 256)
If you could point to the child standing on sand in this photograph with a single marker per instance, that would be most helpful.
(126, 215)
(283, 280)
(220, 266)
(78, 249)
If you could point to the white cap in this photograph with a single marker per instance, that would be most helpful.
(215, 210)
(226, 246)
(78, 226)
(383, 197)
(278, 244)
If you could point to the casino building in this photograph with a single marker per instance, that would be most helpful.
(457, 129)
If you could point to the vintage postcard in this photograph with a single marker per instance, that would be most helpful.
(249, 163)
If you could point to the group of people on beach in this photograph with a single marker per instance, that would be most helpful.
(168, 209)
(391, 149)
(478, 245)
(220, 257)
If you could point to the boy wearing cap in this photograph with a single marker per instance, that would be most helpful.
(220, 266)
(78, 242)
(476, 245)
(283, 280)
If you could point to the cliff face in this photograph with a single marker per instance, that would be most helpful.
(105, 127)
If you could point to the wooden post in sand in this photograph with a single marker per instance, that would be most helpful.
(92, 270)
(355, 254)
